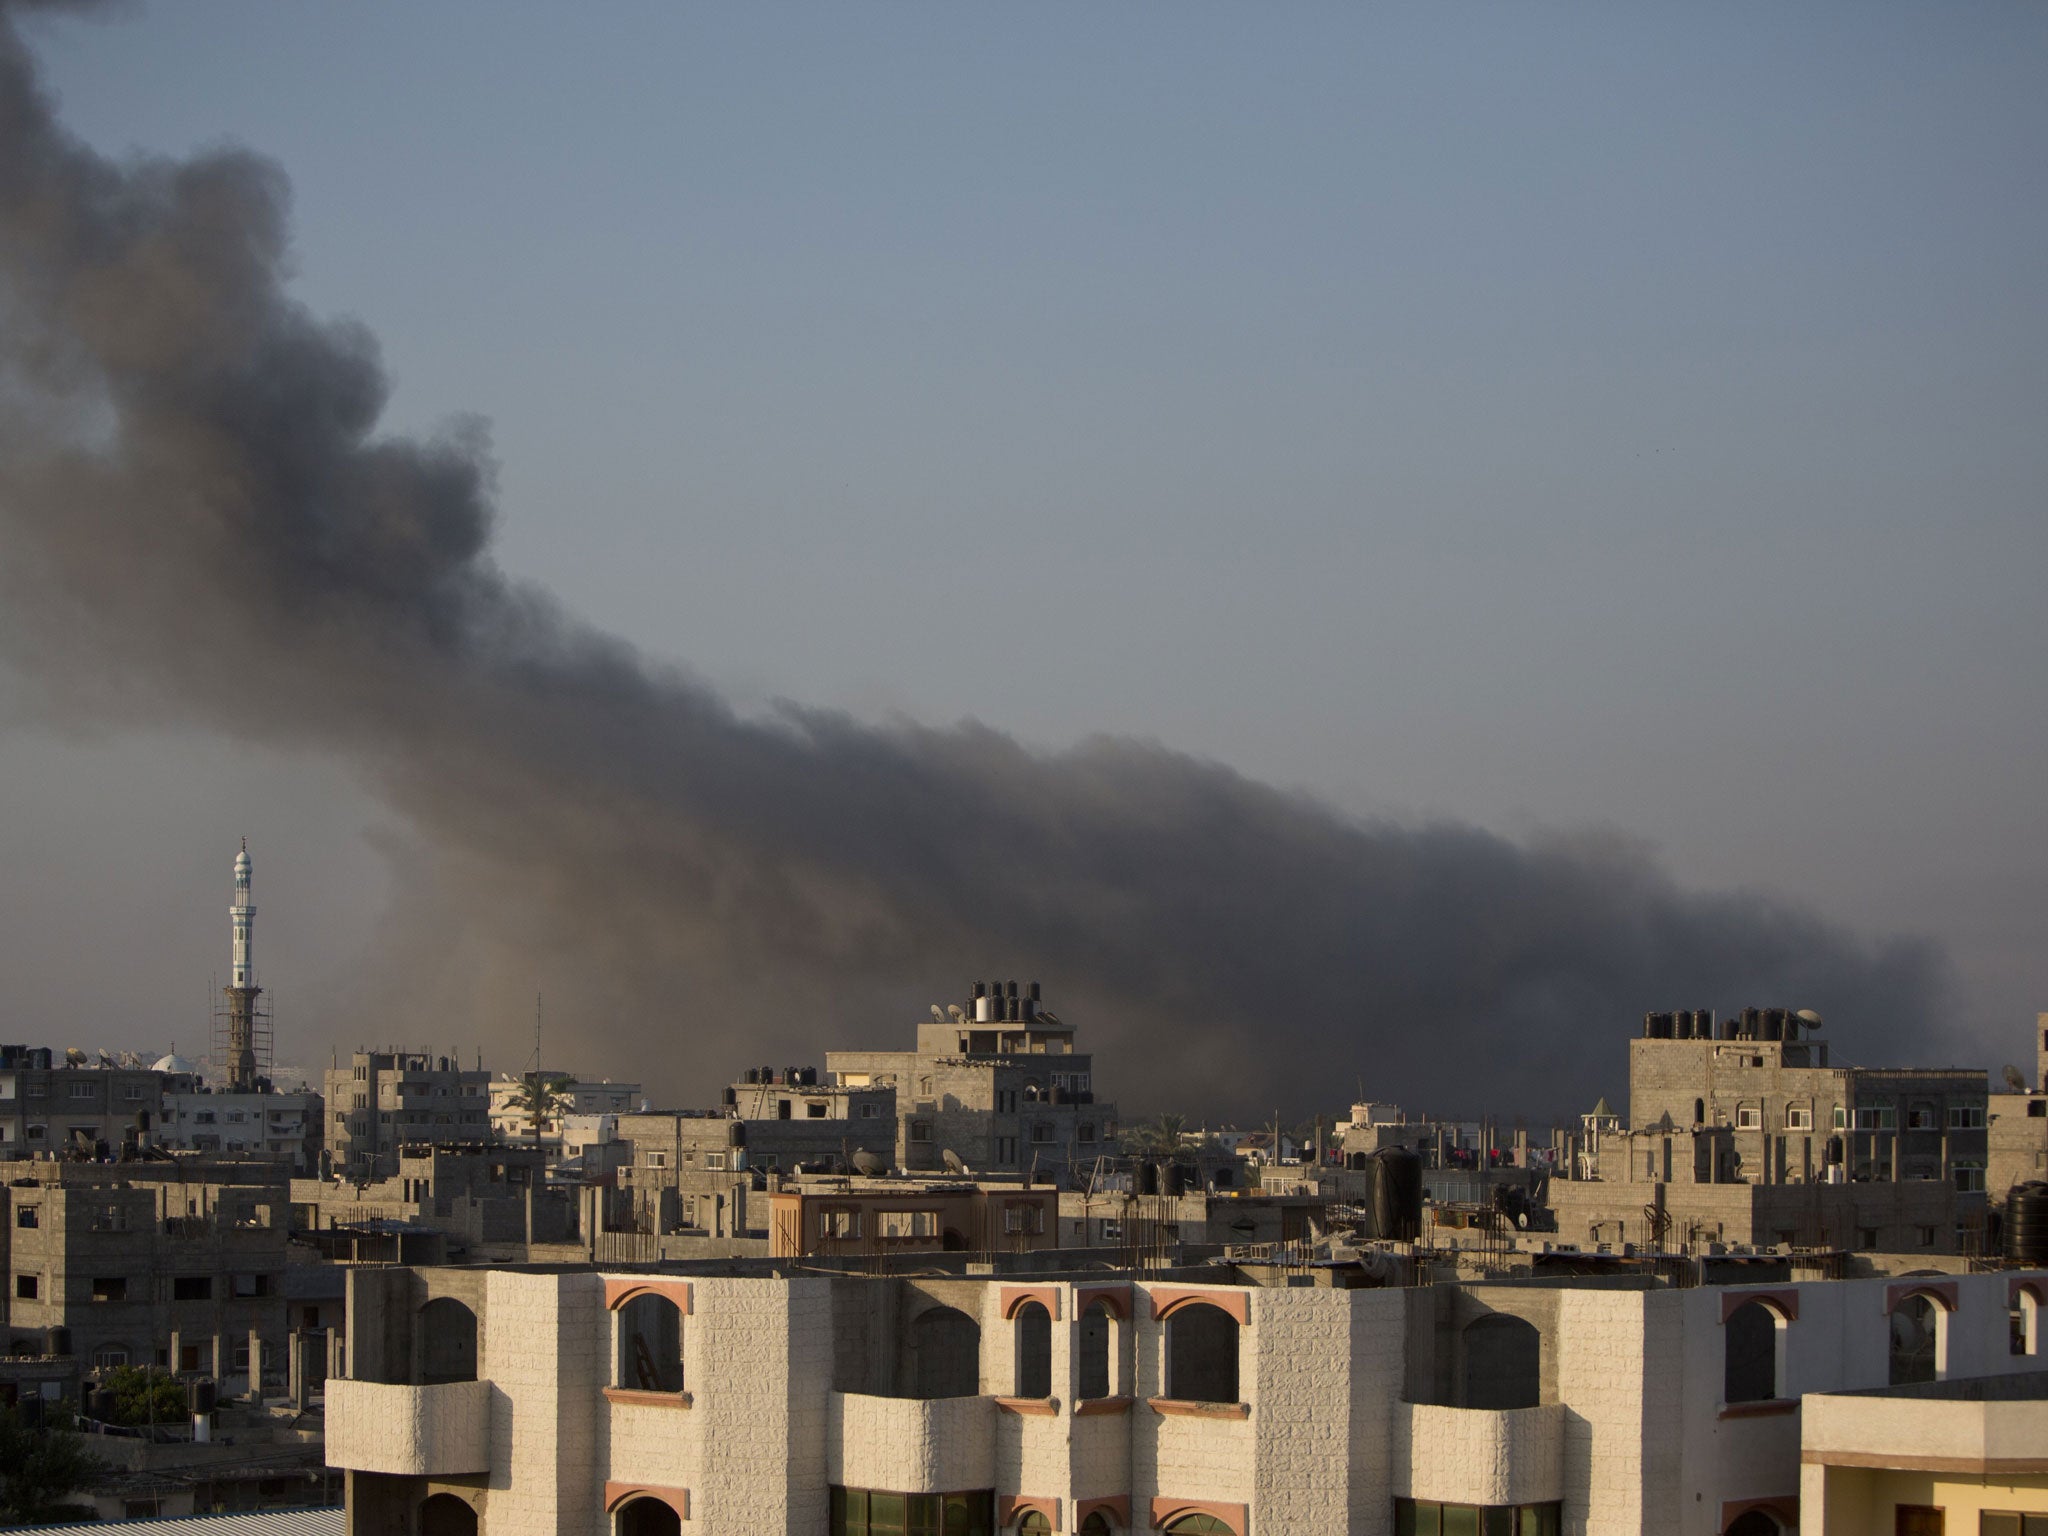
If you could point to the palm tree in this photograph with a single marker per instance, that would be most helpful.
(541, 1097)
(1154, 1137)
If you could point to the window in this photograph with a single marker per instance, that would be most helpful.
(82, 1090)
(1917, 1520)
(1798, 1117)
(2037, 1109)
(1084, 1132)
(858, 1512)
(945, 1354)
(1041, 1133)
(1924, 1236)
(2026, 1326)
(1503, 1362)
(1922, 1116)
(1031, 1328)
(1866, 1237)
(25, 1287)
(839, 1221)
(714, 1159)
(1969, 1176)
(1839, 1118)
(1748, 1117)
(449, 1329)
(907, 1224)
(1110, 1230)
(28, 1216)
(657, 1159)
(1997, 1522)
(871, 1111)
(1023, 1218)
(1966, 1117)
(110, 1288)
(1878, 1117)
(255, 1285)
(920, 1130)
(1752, 1357)
(109, 1218)
(1091, 1364)
(1426, 1517)
(650, 1344)
(1201, 1354)
(192, 1288)
(814, 1109)
(1916, 1341)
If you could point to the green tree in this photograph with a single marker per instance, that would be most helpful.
(144, 1396)
(541, 1097)
(40, 1467)
(1155, 1137)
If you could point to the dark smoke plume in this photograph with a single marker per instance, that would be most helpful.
(200, 525)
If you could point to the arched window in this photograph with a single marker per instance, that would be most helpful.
(1032, 1331)
(1916, 1341)
(448, 1343)
(1503, 1362)
(1750, 1355)
(1091, 1378)
(1699, 1111)
(945, 1354)
(1033, 1523)
(1201, 1355)
(1756, 1522)
(1199, 1525)
(1097, 1524)
(648, 1517)
(650, 1345)
(446, 1515)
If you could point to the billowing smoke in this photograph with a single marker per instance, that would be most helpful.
(201, 526)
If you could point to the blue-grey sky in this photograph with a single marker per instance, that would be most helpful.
(1612, 415)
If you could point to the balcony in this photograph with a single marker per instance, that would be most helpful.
(437, 1431)
(908, 1444)
(1479, 1455)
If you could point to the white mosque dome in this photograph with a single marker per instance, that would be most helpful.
(174, 1063)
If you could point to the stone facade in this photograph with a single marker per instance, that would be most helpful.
(1344, 1400)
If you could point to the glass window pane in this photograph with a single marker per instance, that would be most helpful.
(1498, 1521)
(1541, 1520)
(885, 1514)
(1461, 1520)
(1404, 1517)
(1429, 1518)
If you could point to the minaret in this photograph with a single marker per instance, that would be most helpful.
(242, 993)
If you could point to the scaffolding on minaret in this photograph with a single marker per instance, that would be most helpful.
(241, 1036)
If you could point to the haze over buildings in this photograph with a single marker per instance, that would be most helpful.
(1695, 491)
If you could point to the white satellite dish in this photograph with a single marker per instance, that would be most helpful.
(1808, 1017)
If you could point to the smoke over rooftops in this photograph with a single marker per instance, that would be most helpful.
(199, 523)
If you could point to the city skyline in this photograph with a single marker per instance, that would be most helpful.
(1558, 516)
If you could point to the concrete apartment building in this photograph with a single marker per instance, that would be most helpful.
(210, 1121)
(147, 1263)
(1257, 1402)
(996, 1082)
(384, 1100)
(2018, 1131)
(490, 1203)
(1745, 1134)
(50, 1104)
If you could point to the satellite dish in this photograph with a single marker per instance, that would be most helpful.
(955, 1012)
(868, 1162)
(1808, 1017)
(952, 1161)
(938, 1015)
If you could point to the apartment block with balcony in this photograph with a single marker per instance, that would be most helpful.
(730, 1400)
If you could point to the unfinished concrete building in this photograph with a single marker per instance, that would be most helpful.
(490, 1204)
(1249, 1401)
(995, 1082)
(2017, 1136)
(149, 1263)
(384, 1100)
(1743, 1133)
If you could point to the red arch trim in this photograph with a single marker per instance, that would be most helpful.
(1118, 1509)
(1167, 1300)
(2035, 1286)
(1166, 1510)
(1116, 1297)
(1013, 1297)
(1010, 1506)
(618, 1292)
(1943, 1293)
(617, 1495)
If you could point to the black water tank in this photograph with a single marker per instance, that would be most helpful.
(1397, 1199)
(1173, 1181)
(100, 1405)
(60, 1341)
(199, 1395)
(2026, 1224)
(736, 1134)
(1148, 1178)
